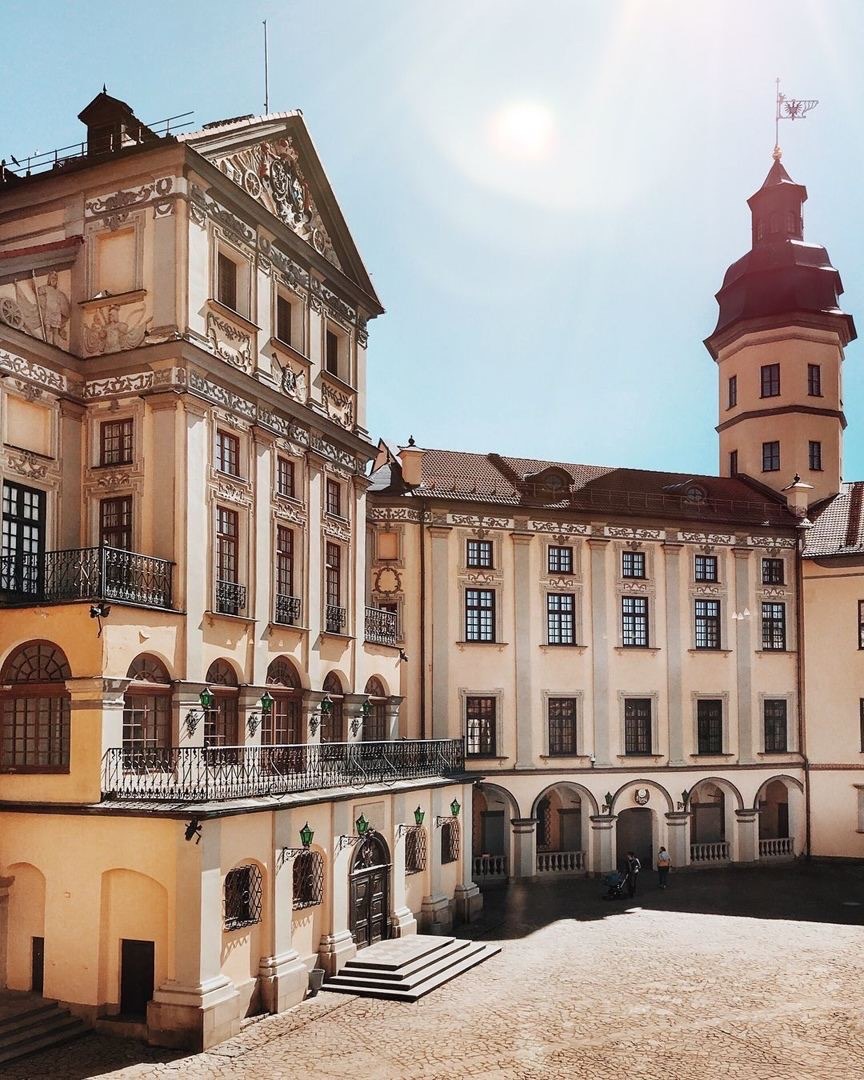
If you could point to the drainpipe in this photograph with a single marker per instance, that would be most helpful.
(802, 528)
(423, 619)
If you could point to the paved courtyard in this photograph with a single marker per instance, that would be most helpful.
(754, 974)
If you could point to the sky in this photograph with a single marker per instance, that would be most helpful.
(546, 194)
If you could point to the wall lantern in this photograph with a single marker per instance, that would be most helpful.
(418, 816)
(685, 798)
(362, 825)
(194, 717)
(366, 708)
(206, 698)
(608, 799)
(254, 721)
(455, 808)
(326, 706)
(306, 835)
(266, 703)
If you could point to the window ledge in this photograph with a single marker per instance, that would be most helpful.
(292, 500)
(287, 347)
(484, 757)
(699, 652)
(563, 645)
(713, 755)
(113, 298)
(340, 382)
(640, 757)
(271, 626)
(584, 758)
(223, 309)
(339, 518)
(248, 619)
(777, 753)
(498, 643)
(330, 633)
(774, 652)
(636, 648)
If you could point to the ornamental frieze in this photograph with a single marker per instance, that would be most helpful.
(336, 531)
(114, 209)
(478, 521)
(702, 589)
(220, 396)
(769, 542)
(625, 533)
(289, 513)
(393, 513)
(29, 465)
(563, 529)
(12, 364)
(230, 491)
(202, 208)
(779, 593)
(136, 383)
(706, 538)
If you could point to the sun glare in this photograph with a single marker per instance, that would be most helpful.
(524, 131)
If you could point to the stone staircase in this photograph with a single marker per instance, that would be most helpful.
(29, 1023)
(405, 969)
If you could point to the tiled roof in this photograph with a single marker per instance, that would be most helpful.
(838, 528)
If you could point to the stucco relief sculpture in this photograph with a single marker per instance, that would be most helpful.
(109, 333)
(338, 406)
(39, 310)
(229, 341)
(293, 382)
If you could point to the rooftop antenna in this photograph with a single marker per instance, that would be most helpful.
(266, 75)
(789, 109)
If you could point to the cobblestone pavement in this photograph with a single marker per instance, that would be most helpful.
(750, 974)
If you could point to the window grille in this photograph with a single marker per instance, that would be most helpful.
(544, 824)
(115, 522)
(450, 841)
(308, 879)
(334, 498)
(415, 849)
(243, 897)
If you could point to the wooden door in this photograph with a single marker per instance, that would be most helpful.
(136, 976)
(37, 977)
(369, 900)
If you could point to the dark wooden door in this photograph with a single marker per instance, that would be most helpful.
(37, 976)
(370, 907)
(136, 976)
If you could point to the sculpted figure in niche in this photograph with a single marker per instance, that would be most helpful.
(44, 316)
(109, 333)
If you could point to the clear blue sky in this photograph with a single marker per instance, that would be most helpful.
(546, 193)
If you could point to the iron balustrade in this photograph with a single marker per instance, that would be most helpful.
(380, 626)
(203, 774)
(336, 618)
(287, 609)
(230, 598)
(97, 573)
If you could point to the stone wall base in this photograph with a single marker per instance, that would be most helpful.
(194, 1018)
(282, 981)
(436, 915)
(336, 950)
(468, 902)
(402, 923)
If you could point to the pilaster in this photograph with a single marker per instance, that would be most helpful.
(600, 649)
(744, 652)
(522, 589)
(674, 652)
(678, 837)
(603, 831)
(524, 847)
(439, 591)
(748, 835)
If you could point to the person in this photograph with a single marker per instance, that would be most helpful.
(633, 868)
(664, 861)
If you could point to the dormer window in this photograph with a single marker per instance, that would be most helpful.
(551, 484)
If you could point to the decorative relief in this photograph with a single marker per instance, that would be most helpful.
(477, 521)
(632, 587)
(707, 590)
(289, 513)
(32, 393)
(706, 538)
(475, 578)
(563, 583)
(112, 478)
(561, 529)
(292, 274)
(337, 531)
(136, 383)
(42, 311)
(393, 513)
(114, 209)
(338, 406)
(12, 364)
(386, 579)
(230, 342)
(26, 464)
(231, 491)
(107, 332)
(335, 453)
(293, 382)
(625, 533)
(220, 396)
(778, 593)
(769, 542)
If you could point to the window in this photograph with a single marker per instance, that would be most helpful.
(222, 720)
(637, 726)
(115, 442)
(146, 712)
(770, 456)
(281, 726)
(705, 568)
(733, 463)
(331, 361)
(226, 283)
(775, 726)
(415, 849)
(479, 554)
(560, 619)
(283, 319)
(334, 498)
(227, 453)
(773, 626)
(770, 380)
(450, 841)
(633, 564)
(308, 879)
(479, 614)
(634, 621)
(480, 726)
(333, 718)
(772, 572)
(562, 726)
(229, 598)
(242, 897)
(284, 563)
(559, 560)
(815, 456)
(115, 523)
(34, 710)
(375, 721)
(393, 607)
(333, 566)
(707, 624)
(814, 380)
(285, 477)
(544, 824)
(733, 391)
(709, 724)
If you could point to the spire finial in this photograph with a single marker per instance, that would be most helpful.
(104, 88)
(776, 153)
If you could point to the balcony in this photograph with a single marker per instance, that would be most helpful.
(202, 774)
(230, 598)
(97, 573)
(287, 609)
(380, 626)
(335, 619)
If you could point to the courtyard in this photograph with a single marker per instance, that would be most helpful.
(727, 973)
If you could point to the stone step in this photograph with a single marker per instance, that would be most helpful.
(433, 957)
(425, 981)
(39, 1030)
(25, 1013)
(404, 951)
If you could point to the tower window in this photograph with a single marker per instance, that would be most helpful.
(770, 380)
(770, 456)
(815, 456)
(814, 380)
(733, 391)
(733, 463)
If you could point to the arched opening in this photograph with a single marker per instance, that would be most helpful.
(34, 710)
(493, 810)
(282, 725)
(635, 832)
(375, 720)
(134, 947)
(709, 829)
(221, 720)
(562, 830)
(146, 711)
(25, 939)
(369, 886)
(777, 824)
(332, 717)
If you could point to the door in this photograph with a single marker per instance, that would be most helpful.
(492, 836)
(570, 830)
(136, 976)
(369, 900)
(634, 827)
(37, 977)
(22, 546)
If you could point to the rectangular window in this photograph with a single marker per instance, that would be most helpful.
(733, 391)
(709, 723)
(480, 726)
(560, 619)
(562, 726)
(334, 498)
(284, 561)
(770, 380)
(227, 541)
(115, 523)
(115, 442)
(637, 726)
(479, 554)
(770, 456)
(705, 568)
(772, 572)
(633, 564)
(773, 626)
(332, 353)
(479, 614)
(559, 560)
(283, 319)
(35, 732)
(815, 456)
(226, 284)
(634, 621)
(415, 849)
(814, 380)
(733, 463)
(285, 477)
(775, 726)
(333, 576)
(707, 624)
(227, 453)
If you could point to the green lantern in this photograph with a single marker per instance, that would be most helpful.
(455, 808)
(326, 706)
(362, 826)
(306, 835)
(608, 798)
(418, 816)
(266, 704)
(366, 708)
(206, 697)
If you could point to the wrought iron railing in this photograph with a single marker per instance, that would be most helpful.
(199, 774)
(230, 598)
(287, 609)
(98, 573)
(335, 619)
(380, 626)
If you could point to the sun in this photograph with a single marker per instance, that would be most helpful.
(524, 131)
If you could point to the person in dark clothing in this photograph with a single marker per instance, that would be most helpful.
(633, 868)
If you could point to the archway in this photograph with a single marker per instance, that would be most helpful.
(369, 888)
(635, 832)
(563, 815)
(25, 956)
(493, 808)
(134, 949)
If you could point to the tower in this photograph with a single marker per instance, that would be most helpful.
(778, 344)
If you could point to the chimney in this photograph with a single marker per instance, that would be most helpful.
(411, 461)
(798, 496)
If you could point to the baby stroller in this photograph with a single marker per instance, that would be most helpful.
(614, 886)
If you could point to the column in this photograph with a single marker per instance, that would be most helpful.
(392, 714)
(600, 645)
(402, 921)
(522, 590)
(603, 831)
(337, 945)
(282, 976)
(436, 916)
(195, 588)
(352, 710)
(674, 652)
(96, 710)
(439, 632)
(469, 899)
(744, 652)
(748, 835)
(524, 848)
(678, 837)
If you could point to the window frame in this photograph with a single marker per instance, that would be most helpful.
(286, 469)
(480, 615)
(333, 498)
(814, 455)
(732, 399)
(226, 452)
(249, 898)
(122, 527)
(712, 737)
(485, 738)
(554, 562)
(635, 740)
(771, 456)
(482, 557)
(560, 618)
(629, 562)
(121, 454)
(769, 380)
(283, 303)
(768, 576)
(227, 292)
(814, 380)
(633, 621)
(774, 626)
(706, 623)
(773, 748)
(566, 740)
(702, 568)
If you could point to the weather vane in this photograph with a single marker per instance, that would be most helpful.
(789, 109)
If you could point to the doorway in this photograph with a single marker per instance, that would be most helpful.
(635, 833)
(136, 976)
(37, 965)
(369, 894)
(21, 543)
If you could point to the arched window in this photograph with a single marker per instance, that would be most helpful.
(282, 726)
(332, 722)
(243, 897)
(221, 726)
(34, 710)
(375, 720)
(147, 706)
